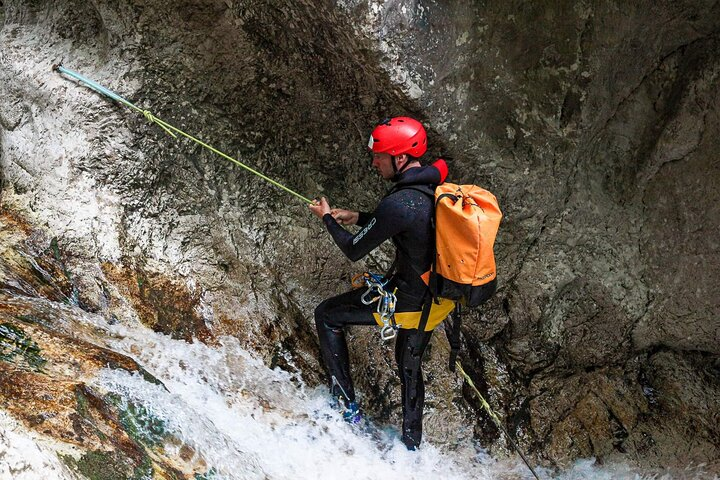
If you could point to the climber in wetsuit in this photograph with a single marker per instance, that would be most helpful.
(405, 216)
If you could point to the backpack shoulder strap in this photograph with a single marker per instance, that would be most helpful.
(453, 335)
(428, 190)
(431, 291)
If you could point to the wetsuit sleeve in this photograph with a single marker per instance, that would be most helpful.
(387, 220)
(363, 218)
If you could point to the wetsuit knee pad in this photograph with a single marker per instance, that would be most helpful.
(323, 319)
(321, 311)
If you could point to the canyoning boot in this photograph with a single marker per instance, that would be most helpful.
(350, 411)
(352, 414)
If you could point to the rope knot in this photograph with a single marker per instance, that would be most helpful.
(153, 119)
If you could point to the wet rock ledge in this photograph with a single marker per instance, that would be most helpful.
(48, 358)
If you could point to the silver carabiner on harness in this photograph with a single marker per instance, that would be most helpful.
(386, 310)
(388, 332)
(386, 304)
(370, 291)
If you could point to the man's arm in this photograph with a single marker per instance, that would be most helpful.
(348, 217)
(380, 225)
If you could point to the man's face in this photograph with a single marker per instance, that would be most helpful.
(383, 163)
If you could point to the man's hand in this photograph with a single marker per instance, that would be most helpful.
(344, 217)
(320, 207)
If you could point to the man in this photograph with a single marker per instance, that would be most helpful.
(404, 215)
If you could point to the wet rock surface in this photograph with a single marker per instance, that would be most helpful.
(596, 124)
(48, 358)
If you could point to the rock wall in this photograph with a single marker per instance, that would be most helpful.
(595, 123)
(48, 360)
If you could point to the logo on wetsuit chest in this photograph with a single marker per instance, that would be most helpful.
(365, 230)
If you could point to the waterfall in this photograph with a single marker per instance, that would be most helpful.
(219, 408)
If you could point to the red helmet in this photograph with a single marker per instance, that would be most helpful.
(397, 136)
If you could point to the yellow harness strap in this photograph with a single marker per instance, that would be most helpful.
(410, 320)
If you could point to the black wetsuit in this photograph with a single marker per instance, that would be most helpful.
(404, 215)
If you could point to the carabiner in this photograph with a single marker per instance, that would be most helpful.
(387, 333)
(386, 302)
(364, 300)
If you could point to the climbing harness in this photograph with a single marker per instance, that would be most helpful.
(494, 417)
(386, 301)
(169, 129)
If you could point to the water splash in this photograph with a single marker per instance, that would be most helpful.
(223, 412)
(23, 457)
(248, 421)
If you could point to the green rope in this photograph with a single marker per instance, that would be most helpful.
(171, 130)
(494, 417)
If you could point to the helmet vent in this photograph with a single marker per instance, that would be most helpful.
(414, 144)
(399, 120)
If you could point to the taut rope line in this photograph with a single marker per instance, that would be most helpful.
(170, 129)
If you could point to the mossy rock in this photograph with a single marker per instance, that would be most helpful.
(17, 347)
(101, 465)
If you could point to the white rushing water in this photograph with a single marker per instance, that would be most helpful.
(23, 457)
(249, 421)
(242, 420)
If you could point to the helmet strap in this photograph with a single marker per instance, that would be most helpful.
(400, 170)
(395, 169)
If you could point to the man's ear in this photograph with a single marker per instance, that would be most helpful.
(401, 160)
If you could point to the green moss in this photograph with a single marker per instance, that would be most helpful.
(144, 429)
(82, 404)
(16, 345)
(142, 426)
(144, 471)
(138, 422)
(99, 465)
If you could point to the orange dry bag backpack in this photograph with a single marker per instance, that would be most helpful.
(467, 219)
